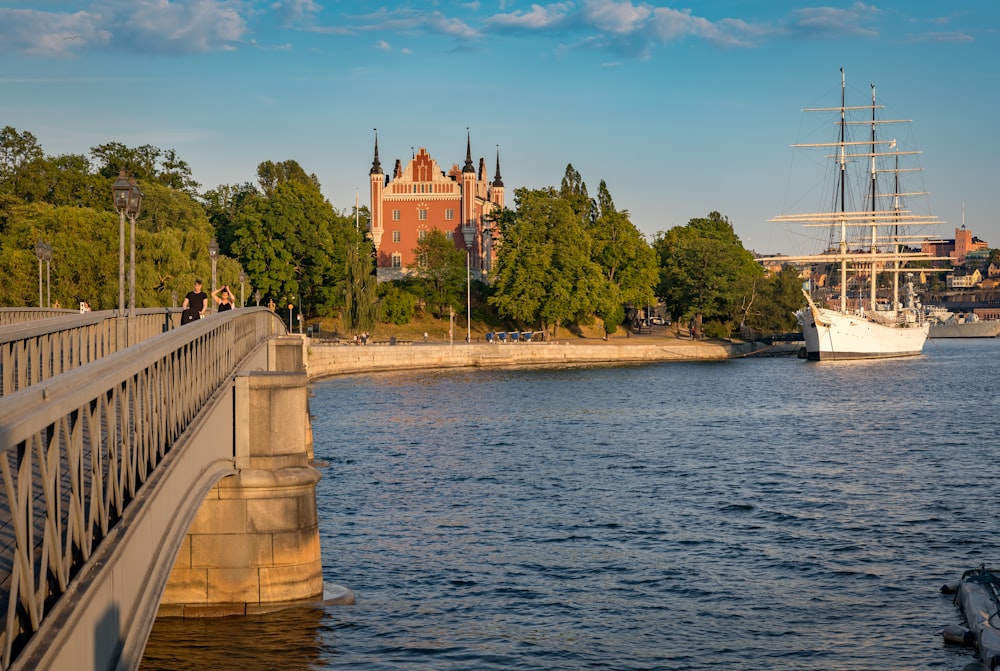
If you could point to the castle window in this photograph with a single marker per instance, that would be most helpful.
(395, 236)
(397, 260)
(421, 235)
(449, 234)
(449, 214)
(423, 215)
(395, 215)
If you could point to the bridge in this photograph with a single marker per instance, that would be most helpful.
(146, 466)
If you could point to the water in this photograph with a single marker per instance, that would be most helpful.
(757, 513)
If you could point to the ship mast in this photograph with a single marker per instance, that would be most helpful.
(873, 289)
(843, 188)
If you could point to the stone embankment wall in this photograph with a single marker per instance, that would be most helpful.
(325, 359)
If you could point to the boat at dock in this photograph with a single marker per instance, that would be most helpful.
(965, 326)
(977, 596)
(869, 231)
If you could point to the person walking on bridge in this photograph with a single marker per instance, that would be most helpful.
(194, 304)
(225, 301)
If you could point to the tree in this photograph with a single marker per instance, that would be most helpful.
(544, 274)
(271, 175)
(146, 164)
(396, 304)
(440, 275)
(574, 191)
(293, 244)
(17, 151)
(627, 262)
(360, 292)
(222, 205)
(775, 301)
(704, 270)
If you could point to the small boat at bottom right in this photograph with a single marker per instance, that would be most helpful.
(977, 595)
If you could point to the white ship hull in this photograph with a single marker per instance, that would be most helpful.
(835, 336)
(981, 329)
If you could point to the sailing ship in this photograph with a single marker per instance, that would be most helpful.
(870, 232)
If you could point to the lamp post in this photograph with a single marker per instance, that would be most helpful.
(48, 275)
(468, 298)
(134, 201)
(256, 296)
(121, 190)
(40, 253)
(213, 253)
(243, 281)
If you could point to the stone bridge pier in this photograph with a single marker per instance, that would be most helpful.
(254, 544)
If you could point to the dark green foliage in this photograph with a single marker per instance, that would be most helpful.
(705, 273)
(360, 294)
(441, 273)
(544, 274)
(397, 305)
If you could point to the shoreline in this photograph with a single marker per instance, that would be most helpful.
(327, 359)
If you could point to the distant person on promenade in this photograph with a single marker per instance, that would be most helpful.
(225, 302)
(194, 304)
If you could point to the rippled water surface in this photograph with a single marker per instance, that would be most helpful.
(756, 513)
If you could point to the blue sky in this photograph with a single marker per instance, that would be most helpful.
(681, 108)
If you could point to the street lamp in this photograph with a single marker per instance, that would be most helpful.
(48, 275)
(213, 253)
(134, 201)
(243, 281)
(468, 298)
(121, 190)
(40, 253)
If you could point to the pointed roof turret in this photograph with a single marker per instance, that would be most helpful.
(497, 181)
(468, 167)
(376, 165)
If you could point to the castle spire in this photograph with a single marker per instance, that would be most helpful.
(376, 165)
(497, 181)
(468, 154)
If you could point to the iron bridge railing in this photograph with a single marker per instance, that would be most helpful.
(75, 449)
(33, 350)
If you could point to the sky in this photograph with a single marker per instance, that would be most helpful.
(682, 109)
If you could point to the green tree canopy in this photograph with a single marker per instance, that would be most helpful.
(360, 290)
(705, 272)
(544, 274)
(441, 274)
(293, 245)
(627, 261)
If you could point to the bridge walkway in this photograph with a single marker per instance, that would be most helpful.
(88, 448)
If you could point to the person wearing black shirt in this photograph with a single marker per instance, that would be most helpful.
(194, 304)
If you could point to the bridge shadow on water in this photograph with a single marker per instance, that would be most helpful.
(288, 639)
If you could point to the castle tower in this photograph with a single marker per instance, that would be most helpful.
(377, 178)
(468, 196)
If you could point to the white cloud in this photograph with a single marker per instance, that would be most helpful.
(539, 18)
(616, 17)
(299, 13)
(143, 26)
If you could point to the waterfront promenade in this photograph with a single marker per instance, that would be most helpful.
(324, 358)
